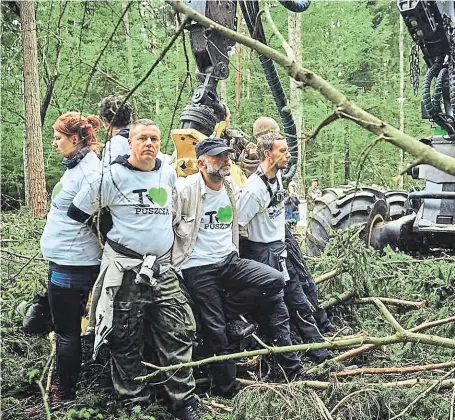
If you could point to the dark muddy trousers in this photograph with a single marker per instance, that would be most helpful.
(296, 264)
(300, 309)
(251, 287)
(319, 314)
(67, 305)
(160, 317)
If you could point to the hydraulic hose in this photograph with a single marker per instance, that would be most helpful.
(253, 21)
(287, 119)
(437, 96)
(296, 6)
(432, 104)
(431, 73)
(452, 80)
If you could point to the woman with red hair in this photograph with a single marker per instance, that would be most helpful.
(72, 249)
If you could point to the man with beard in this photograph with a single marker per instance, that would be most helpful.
(219, 282)
(262, 219)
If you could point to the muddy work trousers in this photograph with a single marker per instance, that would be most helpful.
(160, 318)
(300, 309)
(239, 286)
(296, 264)
(298, 305)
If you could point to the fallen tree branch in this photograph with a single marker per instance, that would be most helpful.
(338, 299)
(327, 276)
(447, 383)
(364, 119)
(344, 399)
(255, 336)
(419, 397)
(406, 336)
(377, 371)
(355, 352)
(286, 47)
(367, 347)
(395, 324)
(363, 123)
(330, 119)
(452, 403)
(344, 337)
(14, 254)
(30, 260)
(217, 405)
(323, 408)
(391, 301)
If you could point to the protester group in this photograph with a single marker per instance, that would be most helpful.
(162, 256)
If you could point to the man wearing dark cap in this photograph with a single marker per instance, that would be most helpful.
(206, 250)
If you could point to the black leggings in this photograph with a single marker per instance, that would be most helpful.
(67, 308)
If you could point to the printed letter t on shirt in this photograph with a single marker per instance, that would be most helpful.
(214, 239)
(141, 205)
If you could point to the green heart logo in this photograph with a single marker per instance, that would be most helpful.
(224, 214)
(56, 190)
(158, 196)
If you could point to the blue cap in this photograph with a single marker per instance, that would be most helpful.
(212, 147)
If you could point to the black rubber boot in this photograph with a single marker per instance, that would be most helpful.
(237, 330)
(191, 411)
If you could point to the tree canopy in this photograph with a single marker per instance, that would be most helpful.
(86, 52)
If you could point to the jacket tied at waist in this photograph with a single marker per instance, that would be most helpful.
(116, 260)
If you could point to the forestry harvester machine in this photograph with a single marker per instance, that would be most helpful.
(206, 113)
(409, 221)
(415, 221)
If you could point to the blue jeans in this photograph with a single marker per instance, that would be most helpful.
(67, 304)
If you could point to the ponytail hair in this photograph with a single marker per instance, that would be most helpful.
(85, 128)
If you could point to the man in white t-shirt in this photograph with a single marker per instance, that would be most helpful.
(117, 119)
(262, 218)
(137, 279)
(205, 248)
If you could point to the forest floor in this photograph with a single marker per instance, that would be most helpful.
(363, 271)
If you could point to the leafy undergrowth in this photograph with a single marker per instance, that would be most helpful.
(365, 271)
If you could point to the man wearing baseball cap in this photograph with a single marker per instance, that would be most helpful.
(206, 250)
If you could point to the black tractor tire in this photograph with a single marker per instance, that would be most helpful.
(342, 208)
(397, 201)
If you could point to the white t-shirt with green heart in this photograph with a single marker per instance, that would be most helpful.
(116, 146)
(141, 205)
(214, 239)
(264, 224)
(65, 241)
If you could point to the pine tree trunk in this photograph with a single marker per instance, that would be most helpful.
(238, 80)
(296, 94)
(401, 94)
(238, 62)
(223, 95)
(35, 185)
(347, 162)
(129, 51)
